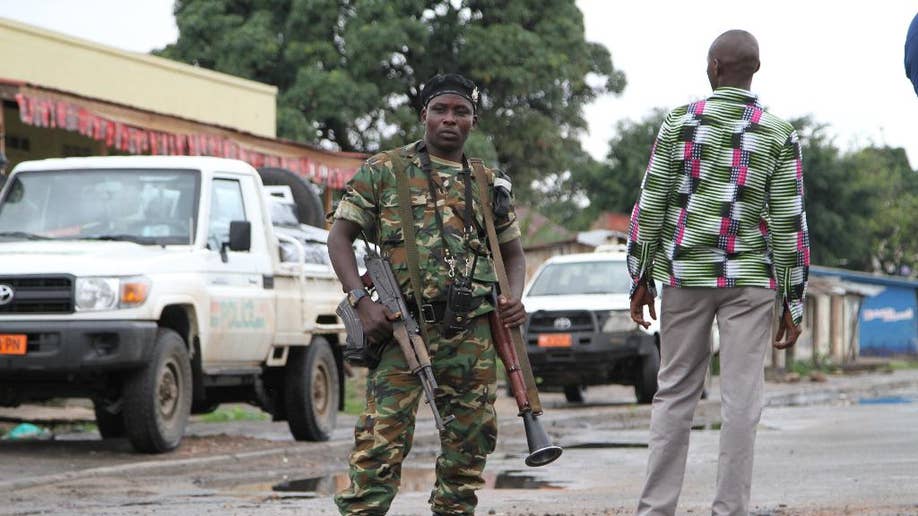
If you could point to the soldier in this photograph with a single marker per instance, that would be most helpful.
(452, 251)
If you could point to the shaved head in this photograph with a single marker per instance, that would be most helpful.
(732, 59)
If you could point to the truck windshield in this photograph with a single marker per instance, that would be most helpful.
(143, 206)
(600, 277)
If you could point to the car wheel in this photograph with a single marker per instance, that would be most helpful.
(110, 424)
(573, 393)
(646, 384)
(157, 397)
(311, 391)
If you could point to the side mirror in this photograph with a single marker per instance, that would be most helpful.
(240, 238)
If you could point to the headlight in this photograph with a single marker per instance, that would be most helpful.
(94, 294)
(616, 321)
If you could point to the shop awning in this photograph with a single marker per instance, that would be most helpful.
(134, 131)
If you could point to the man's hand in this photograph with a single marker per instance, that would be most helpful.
(376, 320)
(642, 297)
(788, 332)
(512, 312)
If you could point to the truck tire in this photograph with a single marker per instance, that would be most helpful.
(157, 397)
(110, 424)
(309, 207)
(573, 393)
(645, 387)
(311, 391)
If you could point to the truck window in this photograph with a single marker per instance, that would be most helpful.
(226, 205)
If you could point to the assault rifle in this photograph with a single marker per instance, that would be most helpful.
(405, 329)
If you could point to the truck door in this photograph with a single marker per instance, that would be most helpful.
(241, 307)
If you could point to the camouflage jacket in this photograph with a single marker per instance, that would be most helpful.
(371, 200)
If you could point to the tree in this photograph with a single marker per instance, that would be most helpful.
(892, 224)
(860, 205)
(349, 71)
(835, 197)
(616, 184)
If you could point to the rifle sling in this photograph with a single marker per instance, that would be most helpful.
(411, 245)
(515, 333)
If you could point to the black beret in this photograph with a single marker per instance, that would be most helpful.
(454, 83)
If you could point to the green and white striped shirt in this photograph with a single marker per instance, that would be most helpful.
(722, 202)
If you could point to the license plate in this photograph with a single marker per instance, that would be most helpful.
(555, 340)
(12, 344)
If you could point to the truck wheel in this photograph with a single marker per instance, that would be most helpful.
(646, 385)
(109, 424)
(157, 398)
(309, 207)
(573, 393)
(311, 391)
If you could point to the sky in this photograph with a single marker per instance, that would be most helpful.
(840, 62)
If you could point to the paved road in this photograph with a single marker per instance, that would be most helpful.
(853, 453)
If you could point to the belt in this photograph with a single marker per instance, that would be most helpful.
(431, 313)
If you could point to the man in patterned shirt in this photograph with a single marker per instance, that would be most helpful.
(720, 223)
(449, 233)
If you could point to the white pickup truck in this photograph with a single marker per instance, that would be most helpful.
(155, 287)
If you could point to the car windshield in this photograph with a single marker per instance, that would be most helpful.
(142, 206)
(599, 277)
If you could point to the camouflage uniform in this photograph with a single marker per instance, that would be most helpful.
(464, 365)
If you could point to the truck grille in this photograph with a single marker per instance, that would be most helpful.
(552, 322)
(38, 294)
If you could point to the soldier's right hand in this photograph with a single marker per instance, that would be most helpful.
(376, 320)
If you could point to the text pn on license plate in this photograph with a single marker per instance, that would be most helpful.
(555, 340)
(12, 344)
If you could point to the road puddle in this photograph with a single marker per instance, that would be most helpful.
(413, 480)
(603, 445)
(884, 400)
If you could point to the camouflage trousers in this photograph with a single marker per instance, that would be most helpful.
(465, 369)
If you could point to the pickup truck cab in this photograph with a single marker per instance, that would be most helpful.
(155, 287)
(579, 330)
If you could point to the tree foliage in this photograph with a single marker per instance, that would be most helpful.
(349, 71)
(616, 184)
(860, 204)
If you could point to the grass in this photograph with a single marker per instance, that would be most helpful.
(234, 413)
(898, 365)
(355, 392)
(805, 367)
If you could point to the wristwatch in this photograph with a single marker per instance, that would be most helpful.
(354, 296)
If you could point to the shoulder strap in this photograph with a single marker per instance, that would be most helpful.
(504, 283)
(411, 244)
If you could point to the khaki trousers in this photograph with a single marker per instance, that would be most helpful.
(745, 318)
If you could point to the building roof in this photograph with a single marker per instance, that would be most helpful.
(614, 221)
(55, 60)
(539, 231)
(864, 277)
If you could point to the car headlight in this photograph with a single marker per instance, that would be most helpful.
(99, 293)
(616, 321)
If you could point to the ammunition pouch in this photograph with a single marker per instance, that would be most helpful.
(459, 304)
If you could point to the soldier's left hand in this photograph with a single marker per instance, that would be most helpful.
(512, 312)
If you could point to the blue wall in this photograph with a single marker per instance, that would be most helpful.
(889, 323)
